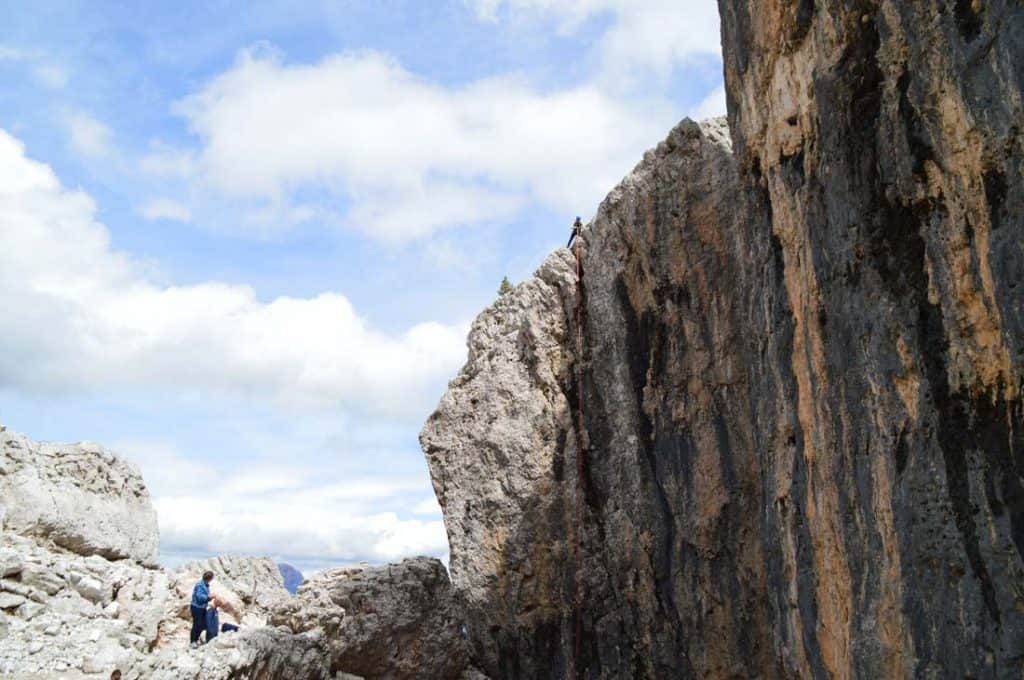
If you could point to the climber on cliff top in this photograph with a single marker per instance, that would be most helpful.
(577, 227)
(200, 599)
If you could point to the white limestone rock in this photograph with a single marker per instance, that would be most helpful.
(395, 621)
(80, 496)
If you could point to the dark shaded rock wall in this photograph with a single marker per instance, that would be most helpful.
(793, 442)
(886, 137)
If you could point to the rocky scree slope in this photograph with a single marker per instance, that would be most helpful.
(78, 600)
(793, 442)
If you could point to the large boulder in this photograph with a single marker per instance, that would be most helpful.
(397, 621)
(79, 496)
(256, 654)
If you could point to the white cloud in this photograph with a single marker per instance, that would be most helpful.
(165, 209)
(88, 136)
(80, 315)
(165, 471)
(428, 506)
(711, 106)
(649, 34)
(282, 514)
(402, 157)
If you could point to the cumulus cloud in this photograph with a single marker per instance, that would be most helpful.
(82, 316)
(264, 515)
(165, 209)
(88, 136)
(648, 34)
(285, 511)
(400, 157)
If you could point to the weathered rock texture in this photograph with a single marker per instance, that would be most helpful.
(255, 582)
(79, 496)
(397, 621)
(793, 442)
(76, 603)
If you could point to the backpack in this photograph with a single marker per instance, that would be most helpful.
(212, 623)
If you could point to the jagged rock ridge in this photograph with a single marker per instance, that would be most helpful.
(800, 386)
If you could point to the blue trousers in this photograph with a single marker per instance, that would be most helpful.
(198, 623)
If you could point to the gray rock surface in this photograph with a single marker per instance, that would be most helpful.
(397, 621)
(496, 450)
(79, 496)
(790, 444)
(249, 587)
(98, 615)
(72, 606)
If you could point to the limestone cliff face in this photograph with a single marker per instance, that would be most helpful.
(783, 436)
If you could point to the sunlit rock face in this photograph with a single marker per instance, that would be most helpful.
(78, 600)
(776, 428)
(79, 496)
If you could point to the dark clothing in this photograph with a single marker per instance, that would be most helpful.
(198, 623)
(212, 623)
(577, 227)
(228, 628)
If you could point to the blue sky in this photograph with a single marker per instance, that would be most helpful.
(241, 243)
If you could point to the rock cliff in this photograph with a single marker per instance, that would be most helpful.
(775, 427)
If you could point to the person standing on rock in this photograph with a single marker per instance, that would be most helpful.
(201, 598)
(577, 227)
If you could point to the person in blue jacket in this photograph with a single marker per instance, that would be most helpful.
(201, 598)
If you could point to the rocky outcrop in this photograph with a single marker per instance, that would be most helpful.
(497, 452)
(397, 621)
(73, 606)
(79, 597)
(776, 428)
(260, 654)
(255, 582)
(79, 496)
(81, 616)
